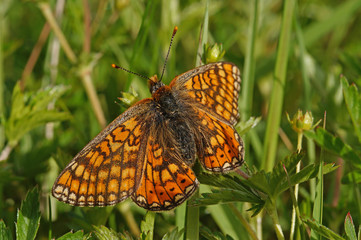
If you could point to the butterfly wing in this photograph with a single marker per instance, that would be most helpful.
(220, 148)
(167, 180)
(214, 87)
(213, 91)
(108, 169)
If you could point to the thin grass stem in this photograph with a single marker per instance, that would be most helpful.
(49, 16)
(279, 81)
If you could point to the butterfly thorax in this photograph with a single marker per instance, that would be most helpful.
(172, 115)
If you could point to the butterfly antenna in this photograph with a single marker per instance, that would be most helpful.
(166, 58)
(124, 69)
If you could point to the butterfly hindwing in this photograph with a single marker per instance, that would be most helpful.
(167, 181)
(220, 148)
(108, 169)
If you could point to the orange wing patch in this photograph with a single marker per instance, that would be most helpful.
(165, 183)
(222, 149)
(106, 171)
(215, 87)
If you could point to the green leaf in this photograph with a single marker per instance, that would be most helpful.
(334, 145)
(244, 127)
(79, 235)
(353, 103)
(322, 230)
(270, 182)
(5, 233)
(230, 183)
(352, 177)
(173, 235)
(306, 174)
(208, 234)
(350, 227)
(28, 218)
(147, 226)
(31, 110)
(223, 196)
(104, 233)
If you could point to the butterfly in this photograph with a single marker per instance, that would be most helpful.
(147, 152)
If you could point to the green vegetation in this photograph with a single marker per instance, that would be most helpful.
(58, 90)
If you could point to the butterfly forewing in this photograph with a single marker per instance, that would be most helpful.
(214, 86)
(108, 169)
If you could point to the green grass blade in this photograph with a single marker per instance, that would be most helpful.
(353, 103)
(342, 14)
(279, 81)
(246, 101)
(140, 42)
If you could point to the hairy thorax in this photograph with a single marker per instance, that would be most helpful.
(173, 117)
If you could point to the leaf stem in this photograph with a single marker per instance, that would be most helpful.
(245, 224)
(272, 211)
(6, 152)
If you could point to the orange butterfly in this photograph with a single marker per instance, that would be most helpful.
(147, 152)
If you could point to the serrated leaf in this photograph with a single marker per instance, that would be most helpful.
(353, 104)
(147, 226)
(174, 234)
(230, 183)
(104, 233)
(306, 174)
(350, 227)
(5, 233)
(334, 145)
(209, 235)
(278, 174)
(223, 196)
(270, 182)
(322, 230)
(79, 235)
(260, 181)
(28, 218)
(30, 112)
(18, 103)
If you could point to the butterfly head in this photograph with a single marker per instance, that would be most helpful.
(154, 84)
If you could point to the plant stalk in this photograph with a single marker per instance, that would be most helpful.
(279, 81)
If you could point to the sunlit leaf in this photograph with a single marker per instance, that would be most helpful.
(79, 235)
(322, 230)
(5, 232)
(350, 227)
(147, 226)
(335, 145)
(173, 235)
(353, 103)
(28, 218)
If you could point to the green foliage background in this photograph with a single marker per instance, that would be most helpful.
(42, 81)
